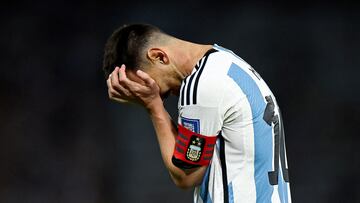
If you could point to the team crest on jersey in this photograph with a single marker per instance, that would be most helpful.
(191, 124)
(195, 148)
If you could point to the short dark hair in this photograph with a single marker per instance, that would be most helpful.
(125, 46)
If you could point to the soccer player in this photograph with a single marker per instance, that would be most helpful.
(229, 139)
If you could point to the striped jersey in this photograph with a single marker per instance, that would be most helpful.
(225, 97)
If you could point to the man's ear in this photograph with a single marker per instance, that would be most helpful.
(157, 55)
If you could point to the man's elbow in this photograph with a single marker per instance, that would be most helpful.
(184, 183)
(187, 178)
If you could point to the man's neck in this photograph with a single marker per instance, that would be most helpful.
(185, 56)
(193, 53)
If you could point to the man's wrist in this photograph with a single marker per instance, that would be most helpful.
(155, 106)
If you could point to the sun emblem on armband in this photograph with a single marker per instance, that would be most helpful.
(195, 148)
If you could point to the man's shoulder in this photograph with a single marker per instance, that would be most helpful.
(209, 80)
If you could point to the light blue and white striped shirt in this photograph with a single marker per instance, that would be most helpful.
(228, 98)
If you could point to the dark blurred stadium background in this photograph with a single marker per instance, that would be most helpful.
(62, 140)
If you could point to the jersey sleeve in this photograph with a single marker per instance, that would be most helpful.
(198, 128)
(201, 112)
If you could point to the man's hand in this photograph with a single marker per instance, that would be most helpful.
(147, 93)
(122, 89)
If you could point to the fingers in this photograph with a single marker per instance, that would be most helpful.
(121, 87)
(115, 81)
(126, 82)
(145, 77)
(115, 90)
(111, 91)
(123, 79)
(114, 78)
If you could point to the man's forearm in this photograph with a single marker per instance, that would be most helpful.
(166, 133)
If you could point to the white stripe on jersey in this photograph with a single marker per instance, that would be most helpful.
(243, 181)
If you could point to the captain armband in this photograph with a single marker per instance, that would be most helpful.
(192, 149)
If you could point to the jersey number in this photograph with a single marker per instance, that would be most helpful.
(279, 142)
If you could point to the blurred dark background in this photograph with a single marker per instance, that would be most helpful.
(62, 140)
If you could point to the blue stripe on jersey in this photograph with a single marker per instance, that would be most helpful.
(204, 190)
(262, 132)
(231, 193)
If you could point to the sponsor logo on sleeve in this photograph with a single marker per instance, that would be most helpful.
(191, 124)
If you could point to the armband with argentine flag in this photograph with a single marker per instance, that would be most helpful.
(192, 149)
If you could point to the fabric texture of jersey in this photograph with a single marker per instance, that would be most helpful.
(225, 97)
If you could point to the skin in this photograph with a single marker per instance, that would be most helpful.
(168, 61)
